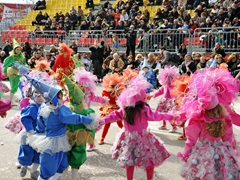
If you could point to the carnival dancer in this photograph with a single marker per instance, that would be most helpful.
(136, 146)
(87, 82)
(208, 152)
(64, 64)
(166, 103)
(53, 118)
(179, 90)
(78, 134)
(112, 89)
(12, 72)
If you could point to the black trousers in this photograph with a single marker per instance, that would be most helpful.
(132, 49)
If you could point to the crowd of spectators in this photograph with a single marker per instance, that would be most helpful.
(166, 29)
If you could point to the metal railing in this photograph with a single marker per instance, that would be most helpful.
(201, 40)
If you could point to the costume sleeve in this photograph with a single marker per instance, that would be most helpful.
(56, 64)
(192, 133)
(228, 135)
(105, 93)
(7, 63)
(114, 116)
(158, 92)
(97, 99)
(157, 116)
(68, 117)
(28, 115)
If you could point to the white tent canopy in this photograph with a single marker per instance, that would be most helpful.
(18, 1)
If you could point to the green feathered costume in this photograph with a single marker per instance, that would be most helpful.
(78, 134)
(12, 73)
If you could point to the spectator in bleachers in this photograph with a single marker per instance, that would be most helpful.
(60, 14)
(218, 49)
(61, 21)
(84, 25)
(124, 16)
(90, 4)
(61, 32)
(34, 48)
(46, 31)
(80, 14)
(67, 25)
(53, 49)
(182, 50)
(105, 66)
(73, 20)
(233, 64)
(199, 10)
(40, 5)
(188, 66)
(56, 16)
(202, 63)
(196, 18)
(178, 37)
(73, 10)
(7, 48)
(168, 4)
(189, 4)
(2, 56)
(38, 19)
(49, 22)
(192, 26)
(74, 47)
(116, 65)
(28, 50)
(185, 27)
(44, 19)
(236, 22)
(185, 17)
(227, 3)
(90, 17)
(165, 56)
(107, 51)
(182, 3)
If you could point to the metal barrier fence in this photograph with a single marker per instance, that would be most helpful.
(38, 37)
(206, 38)
(201, 40)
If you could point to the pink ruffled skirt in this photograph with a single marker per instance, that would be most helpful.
(165, 105)
(139, 149)
(211, 161)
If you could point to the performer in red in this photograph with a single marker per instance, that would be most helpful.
(112, 89)
(64, 64)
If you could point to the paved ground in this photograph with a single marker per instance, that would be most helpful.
(99, 165)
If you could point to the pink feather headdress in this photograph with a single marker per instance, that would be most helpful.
(202, 95)
(226, 85)
(167, 74)
(86, 78)
(135, 92)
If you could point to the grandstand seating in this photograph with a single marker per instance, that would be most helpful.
(53, 6)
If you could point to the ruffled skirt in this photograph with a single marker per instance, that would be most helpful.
(139, 149)
(211, 161)
(50, 145)
(21, 138)
(165, 105)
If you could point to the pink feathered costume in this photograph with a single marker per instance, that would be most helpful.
(135, 145)
(206, 157)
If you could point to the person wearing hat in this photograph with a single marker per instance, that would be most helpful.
(12, 72)
(78, 134)
(51, 140)
(209, 151)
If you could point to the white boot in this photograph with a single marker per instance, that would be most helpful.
(74, 174)
(55, 176)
